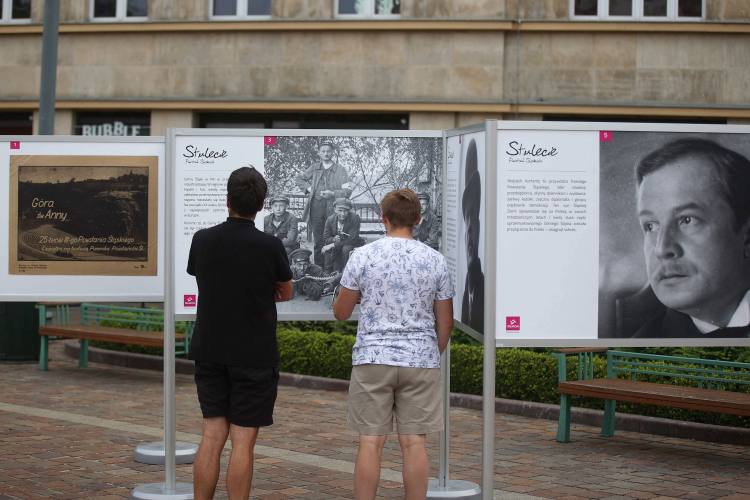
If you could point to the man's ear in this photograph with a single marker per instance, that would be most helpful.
(262, 205)
(746, 231)
(228, 205)
(419, 220)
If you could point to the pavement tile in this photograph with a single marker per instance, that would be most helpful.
(52, 458)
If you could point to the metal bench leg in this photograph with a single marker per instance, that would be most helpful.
(608, 426)
(44, 353)
(83, 356)
(563, 424)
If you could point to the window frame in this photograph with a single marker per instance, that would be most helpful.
(6, 18)
(241, 13)
(121, 10)
(369, 12)
(603, 13)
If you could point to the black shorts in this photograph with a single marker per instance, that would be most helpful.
(244, 396)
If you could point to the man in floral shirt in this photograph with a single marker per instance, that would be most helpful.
(406, 318)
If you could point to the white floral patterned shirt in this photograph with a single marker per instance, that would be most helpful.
(399, 280)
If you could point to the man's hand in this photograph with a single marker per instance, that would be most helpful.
(443, 310)
(337, 238)
(283, 291)
(327, 247)
(327, 193)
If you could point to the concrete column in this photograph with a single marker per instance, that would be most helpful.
(431, 121)
(64, 122)
(160, 120)
(465, 119)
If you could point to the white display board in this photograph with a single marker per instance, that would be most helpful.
(368, 165)
(622, 235)
(82, 218)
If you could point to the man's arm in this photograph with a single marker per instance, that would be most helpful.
(433, 238)
(283, 291)
(291, 235)
(328, 231)
(346, 187)
(352, 231)
(444, 322)
(304, 179)
(345, 302)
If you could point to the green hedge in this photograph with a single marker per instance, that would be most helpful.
(521, 374)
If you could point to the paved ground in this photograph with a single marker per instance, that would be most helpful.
(70, 433)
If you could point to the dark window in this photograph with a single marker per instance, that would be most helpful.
(258, 7)
(586, 7)
(351, 7)
(16, 124)
(105, 8)
(116, 124)
(387, 7)
(305, 121)
(137, 8)
(225, 7)
(631, 119)
(655, 8)
(21, 9)
(689, 8)
(620, 7)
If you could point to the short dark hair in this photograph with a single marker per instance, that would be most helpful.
(732, 170)
(246, 190)
(401, 207)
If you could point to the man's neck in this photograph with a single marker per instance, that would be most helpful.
(401, 232)
(232, 214)
(327, 164)
(718, 315)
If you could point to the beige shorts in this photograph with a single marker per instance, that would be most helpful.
(378, 392)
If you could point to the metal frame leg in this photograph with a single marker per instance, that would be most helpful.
(83, 355)
(608, 425)
(44, 353)
(563, 423)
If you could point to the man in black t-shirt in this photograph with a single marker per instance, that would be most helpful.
(241, 273)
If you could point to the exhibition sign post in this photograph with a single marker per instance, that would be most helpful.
(594, 233)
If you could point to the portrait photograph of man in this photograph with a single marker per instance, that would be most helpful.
(324, 199)
(472, 300)
(675, 257)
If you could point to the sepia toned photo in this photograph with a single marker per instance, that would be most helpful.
(83, 215)
(324, 201)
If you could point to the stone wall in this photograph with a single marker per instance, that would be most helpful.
(628, 68)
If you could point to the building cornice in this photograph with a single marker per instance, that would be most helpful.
(387, 25)
(339, 106)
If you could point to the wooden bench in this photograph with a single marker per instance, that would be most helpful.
(714, 380)
(105, 324)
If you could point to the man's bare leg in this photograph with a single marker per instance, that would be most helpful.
(207, 460)
(240, 472)
(367, 466)
(416, 469)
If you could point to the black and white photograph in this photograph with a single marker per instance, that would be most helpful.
(471, 287)
(674, 251)
(82, 216)
(324, 202)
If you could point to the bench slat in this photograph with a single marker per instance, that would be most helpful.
(109, 334)
(660, 394)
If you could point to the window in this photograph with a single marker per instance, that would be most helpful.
(15, 11)
(240, 9)
(304, 121)
(119, 10)
(381, 9)
(638, 10)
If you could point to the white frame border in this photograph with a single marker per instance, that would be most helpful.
(7, 6)
(241, 13)
(369, 12)
(121, 10)
(603, 13)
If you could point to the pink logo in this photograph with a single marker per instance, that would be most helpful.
(460, 138)
(189, 301)
(513, 322)
(269, 140)
(605, 136)
(15, 145)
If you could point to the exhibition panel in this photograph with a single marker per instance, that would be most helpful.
(83, 218)
(627, 234)
(312, 176)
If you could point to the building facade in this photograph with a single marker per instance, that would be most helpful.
(134, 67)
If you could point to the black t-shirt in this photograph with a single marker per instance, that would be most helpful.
(236, 267)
